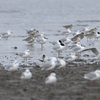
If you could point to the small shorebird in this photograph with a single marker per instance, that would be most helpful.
(68, 26)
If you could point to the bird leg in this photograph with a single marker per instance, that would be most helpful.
(41, 46)
(49, 71)
(58, 53)
(94, 83)
(12, 74)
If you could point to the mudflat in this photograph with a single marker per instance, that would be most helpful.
(70, 85)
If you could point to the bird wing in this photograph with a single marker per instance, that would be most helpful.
(27, 39)
(94, 50)
(46, 79)
(46, 65)
(39, 40)
(93, 30)
(75, 38)
(56, 47)
(81, 36)
(90, 76)
(68, 57)
(4, 34)
(7, 67)
(76, 48)
(57, 65)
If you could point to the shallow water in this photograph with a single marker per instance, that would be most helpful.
(49, 17)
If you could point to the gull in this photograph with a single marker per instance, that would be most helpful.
(39, 35)
(24, 54)
(60, 63)
(59, 47)
(44, 58)
(51, 79)
(41, 40)
(26, 75)
(7, 34)
(13, 67)
(49, 65)
(95, 51)
(95, 75)
(97, 35)
(68, 26)
(55, 43)
(73, 44)
(70, 58)
(78, 48)
(66, 40)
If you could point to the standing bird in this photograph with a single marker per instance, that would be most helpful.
(59, 47)
(51, 79)
(90, 34)
(7, 34)
(95, 75)
(66, 40)
(41, 40)
(44, 58)
(49, 65)
(60, 63)
(24, 54)
(78, 37)
(26, 75)
(68, 26)
(70, 58)
(31, 31)
(14, 67)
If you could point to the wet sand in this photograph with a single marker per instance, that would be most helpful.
(70, 85)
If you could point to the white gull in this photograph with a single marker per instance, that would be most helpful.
(95, 75)
(6, 34)
(51, 79)
(13, 67)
